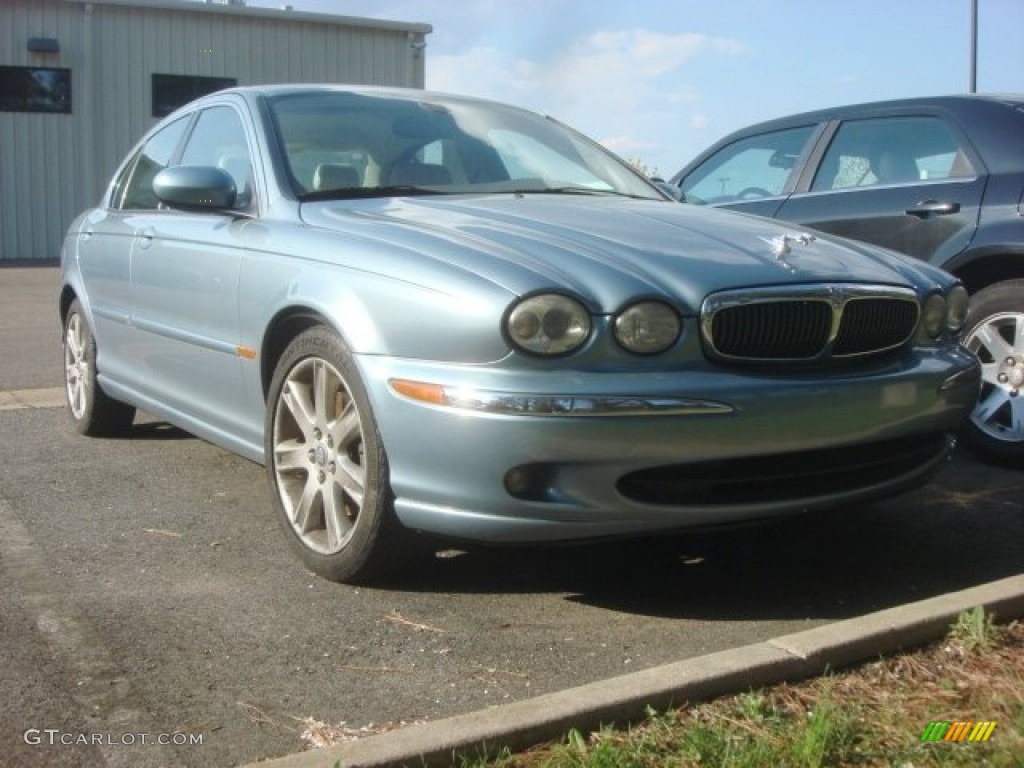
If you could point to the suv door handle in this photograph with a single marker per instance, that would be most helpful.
(928, 208)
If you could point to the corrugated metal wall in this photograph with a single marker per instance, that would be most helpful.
(40, 178)
(54, 165)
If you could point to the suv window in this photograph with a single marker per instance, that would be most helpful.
(757, 166)
(218, 139)
(891, 150)
(134, 187)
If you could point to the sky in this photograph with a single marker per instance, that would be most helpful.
(657, 81)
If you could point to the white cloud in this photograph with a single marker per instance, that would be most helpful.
(622, 84)
(699, 121)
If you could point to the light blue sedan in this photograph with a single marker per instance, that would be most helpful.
(427, 313)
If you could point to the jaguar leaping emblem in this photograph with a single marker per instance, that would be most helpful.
(782, 245)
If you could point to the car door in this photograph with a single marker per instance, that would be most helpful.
(752, 174)
(185, 273)
(907, 182)
(105, 247)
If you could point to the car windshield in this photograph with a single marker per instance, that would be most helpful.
(340, 144)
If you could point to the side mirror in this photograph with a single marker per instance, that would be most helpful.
(195, 187)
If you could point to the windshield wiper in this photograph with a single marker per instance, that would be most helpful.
(568, 190)
(353, 193)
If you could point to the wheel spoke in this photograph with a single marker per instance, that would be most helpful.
(1016, 425)
(338, 524)
(992, 341)
(990, 373)
(1018, 337)
(305, 515)
(74, 339)
(346, 430)
(322, 392)
(296, 398)
(989, 406)
(79, 398)
(291, 455)
(351, 478)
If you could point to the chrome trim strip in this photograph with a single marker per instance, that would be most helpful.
(575, 406)
(205, 343)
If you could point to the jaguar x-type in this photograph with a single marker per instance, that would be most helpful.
(439, 314)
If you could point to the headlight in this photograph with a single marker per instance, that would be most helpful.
(933, 316)
(647, 328)
(548, 324)
(957, 302)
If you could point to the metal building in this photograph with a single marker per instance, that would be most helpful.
(82, 80)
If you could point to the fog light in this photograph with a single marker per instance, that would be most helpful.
(531, 482)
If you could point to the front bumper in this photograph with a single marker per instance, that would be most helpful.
(524, 455)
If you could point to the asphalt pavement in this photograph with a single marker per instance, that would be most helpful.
(146, 591)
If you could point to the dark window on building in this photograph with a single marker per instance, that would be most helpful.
(35, 89)
(173, 91)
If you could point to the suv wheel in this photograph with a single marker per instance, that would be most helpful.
(995, 334)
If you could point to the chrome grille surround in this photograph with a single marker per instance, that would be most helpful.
(808, 323)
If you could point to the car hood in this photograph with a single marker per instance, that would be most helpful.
(606, 250)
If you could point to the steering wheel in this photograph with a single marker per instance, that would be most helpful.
(752, 192)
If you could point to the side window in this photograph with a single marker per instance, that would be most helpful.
(891, 150)
(219, 139)
(134, 188)
(757, 166)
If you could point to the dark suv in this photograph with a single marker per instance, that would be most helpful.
(938, 178)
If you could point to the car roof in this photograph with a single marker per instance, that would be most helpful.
(957, 103)
(276, 90)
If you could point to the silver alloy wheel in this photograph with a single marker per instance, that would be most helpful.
(318, 455)
(77, 375)
(998, 343)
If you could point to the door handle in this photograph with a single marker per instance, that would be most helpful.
(928, 208)
(146, 238)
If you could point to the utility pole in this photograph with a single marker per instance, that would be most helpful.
(974, 46)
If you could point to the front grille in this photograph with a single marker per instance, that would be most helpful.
(874, 324)
(792, 329)
(810, 323)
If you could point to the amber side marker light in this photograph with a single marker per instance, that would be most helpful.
(420, 390)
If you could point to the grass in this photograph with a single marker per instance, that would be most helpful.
(872, 715)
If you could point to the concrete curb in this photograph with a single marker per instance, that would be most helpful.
(625, 698)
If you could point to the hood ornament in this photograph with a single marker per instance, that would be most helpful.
(782, 246)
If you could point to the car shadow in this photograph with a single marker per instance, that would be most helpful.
(962, 530)
(157, 431)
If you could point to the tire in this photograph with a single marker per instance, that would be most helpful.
(995, 334)
(326, 463)
(92, 412)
